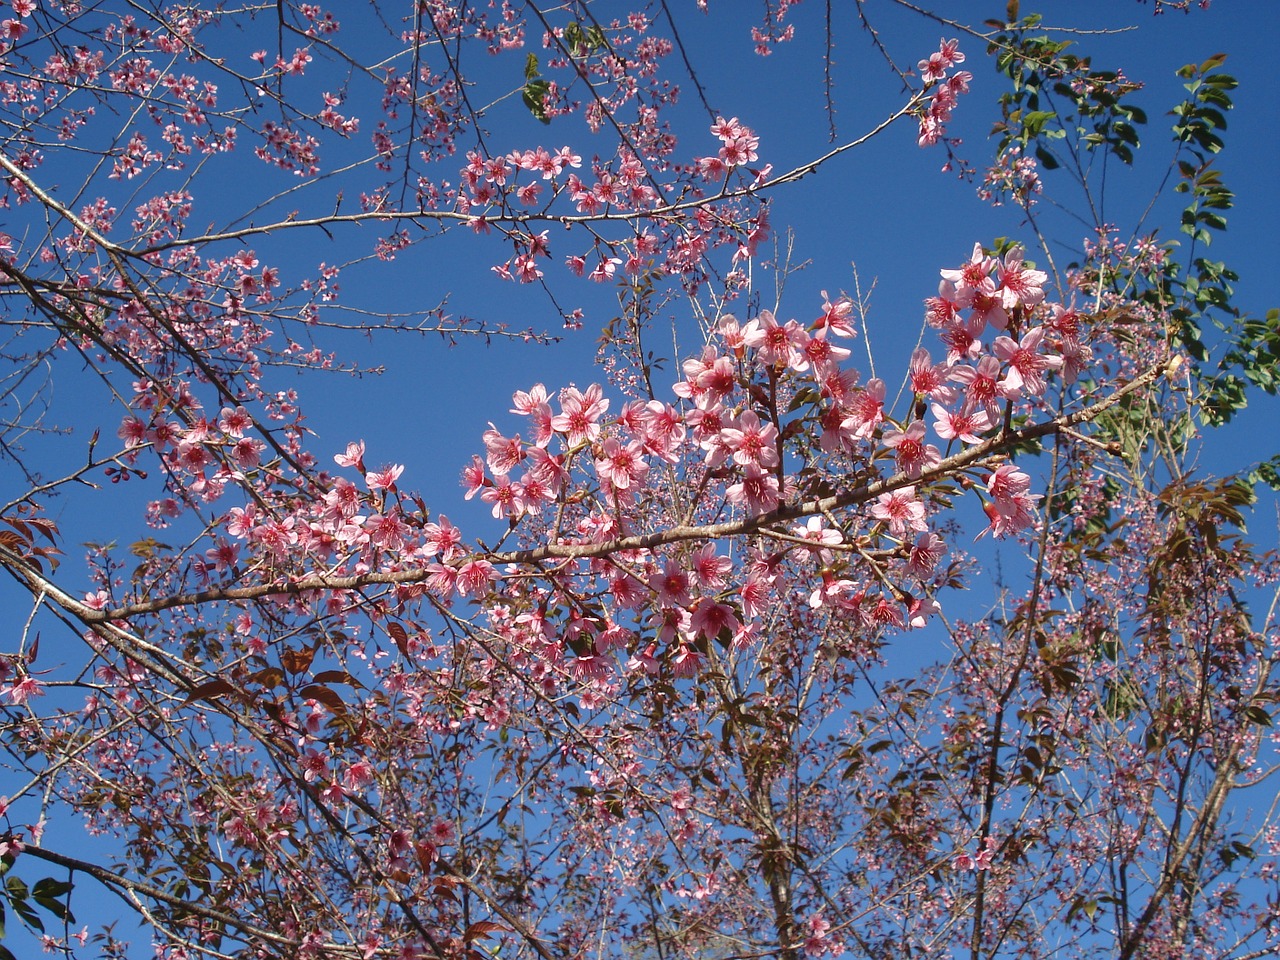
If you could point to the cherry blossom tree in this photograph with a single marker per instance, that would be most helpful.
(670, 700)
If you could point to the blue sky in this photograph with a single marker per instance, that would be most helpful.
(885, 209)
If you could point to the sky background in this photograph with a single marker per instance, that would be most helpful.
(885, 210)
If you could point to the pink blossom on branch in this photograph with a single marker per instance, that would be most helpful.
(901, 509)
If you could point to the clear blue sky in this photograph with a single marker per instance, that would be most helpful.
(885, 208)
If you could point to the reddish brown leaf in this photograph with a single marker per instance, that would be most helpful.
(482, 928)
(296, 661)
(323, 695)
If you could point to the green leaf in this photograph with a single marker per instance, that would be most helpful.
(56, 908)
(574, 39)
(535, 92)
(531, 67)
(27, 915)
(1257, 715)
(49, 887)
(1034, 122)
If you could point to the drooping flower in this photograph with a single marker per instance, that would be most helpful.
(757, 490)
(865, 410)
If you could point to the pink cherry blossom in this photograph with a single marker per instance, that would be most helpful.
(751, 441)
(981, 385)
(775, 344)
(23, 690)
(913, 454)
(952, 424)
(927, 378)
(354, 456)
(502, 454)
(865, 410)
(972, 280)
(1027, 365)
(508, 498)
(1019, 286)
(901, 509)
(710, 618)
(580, 413)
(757, 491)
(710, 568)
(925, 554)
(815, 529)
(622, 466)
(385, 478)
(473, 477)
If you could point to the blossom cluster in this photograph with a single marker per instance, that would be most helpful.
(591, 474)
(946, 89)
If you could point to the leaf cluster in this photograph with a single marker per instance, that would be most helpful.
(47, 894)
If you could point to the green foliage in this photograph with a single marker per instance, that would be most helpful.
(1057, 96)
(1058, 108)
(1252, 346)
(536, 90)
(47, 894)
(1267, 472)
(582, 42)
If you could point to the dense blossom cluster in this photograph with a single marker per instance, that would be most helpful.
(661, 714)
(590, 475)
(586, 475)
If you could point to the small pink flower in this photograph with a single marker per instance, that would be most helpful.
(1019, 286)
(815, 530)
(23, 690)
(901, 509)
(929, 379)
(710, 618)
(981, 385)
(757, 490)
(384, 479)
(1026, 364)
(972, 280)
(132, 431)
(622, 466)
(775, 344)
(474, 577)
(751, 441)
(580, 413)
(709, 568)
(926, 553)
(502, 454)
(815, 941)
(508, 498)
(686, 661)
(865, 410)
(354, 457)
(950, 424)
(914, 455)
(236, 422)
